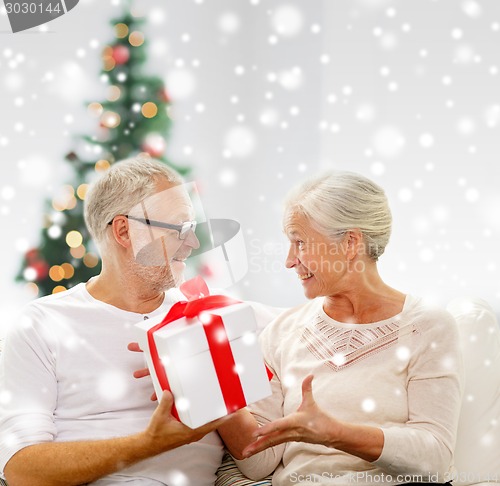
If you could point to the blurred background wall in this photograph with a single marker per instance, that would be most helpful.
(267, 92)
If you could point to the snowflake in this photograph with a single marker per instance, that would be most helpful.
(13, 81)
(287, 20)
(426, 255)
(365, 113)
(112, 385)
(466, 126)
(403, 353)
(388, 141)
(181, 83)
(492, 116)
(5, 397)
(249, 338)
(35, 171)
(182, 404)
(156, 16)
(471, 194)
(239, 369)
(315, 28)
(240, 141)
(378, 168)
(269, 117)
(289, 380)
(338, 359)
(54, 232)
(471, 8)
(464, 54)
(8, 193)
(227, 177)
(291, 79)
(426, 140)
(368, 405)
(177, 478)
(229, 23)
(388, 41)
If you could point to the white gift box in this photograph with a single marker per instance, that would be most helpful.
(184, 351)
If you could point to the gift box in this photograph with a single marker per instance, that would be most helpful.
(206, 352)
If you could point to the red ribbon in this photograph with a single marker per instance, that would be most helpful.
(220, 349)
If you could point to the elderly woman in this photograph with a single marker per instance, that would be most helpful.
(386, 367)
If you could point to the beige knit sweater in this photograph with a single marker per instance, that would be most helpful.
(403, 374)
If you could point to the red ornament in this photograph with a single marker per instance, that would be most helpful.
(154, 145)
(41, 268)
(32, 255)
(163, 95)
(120, 54)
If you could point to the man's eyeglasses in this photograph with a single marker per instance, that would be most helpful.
(183, 229)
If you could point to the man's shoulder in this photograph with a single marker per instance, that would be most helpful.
(48, 310)
(59, 299)
(295, 317)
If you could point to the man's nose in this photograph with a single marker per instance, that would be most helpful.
(192, 240)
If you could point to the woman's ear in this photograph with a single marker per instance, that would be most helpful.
(120, 229)
(354, 243)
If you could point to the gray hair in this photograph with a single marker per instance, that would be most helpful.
(337, 201)
(122, 187)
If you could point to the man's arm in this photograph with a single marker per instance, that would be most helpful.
(74, 463)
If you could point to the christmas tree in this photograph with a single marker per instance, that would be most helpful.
(133, 119)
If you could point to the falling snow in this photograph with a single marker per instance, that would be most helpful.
(369, 86)
(112, 385)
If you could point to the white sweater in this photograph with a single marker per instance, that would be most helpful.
(66, 375)
(403, 374)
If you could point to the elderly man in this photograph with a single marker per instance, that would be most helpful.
(71, 411)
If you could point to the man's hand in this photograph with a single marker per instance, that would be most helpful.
(165, 432)
(82, 462)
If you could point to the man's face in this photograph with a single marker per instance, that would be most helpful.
(162, 238)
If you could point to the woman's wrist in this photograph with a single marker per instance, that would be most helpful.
(334, 432)
(363, 441)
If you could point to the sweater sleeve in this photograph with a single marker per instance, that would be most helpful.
(424, 445)
(28, 387)
(264, 463)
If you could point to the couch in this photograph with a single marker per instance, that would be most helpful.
(477, 452)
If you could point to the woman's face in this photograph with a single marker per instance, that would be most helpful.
(320, 262)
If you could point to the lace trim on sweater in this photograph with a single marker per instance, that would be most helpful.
(339, 347)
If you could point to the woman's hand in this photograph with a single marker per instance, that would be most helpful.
(143, 371)
(308, 424)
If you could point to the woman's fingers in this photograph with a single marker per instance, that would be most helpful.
(144, 371)
(307, 392)
(141, 373)
(270, 428)
(134, 347)
(263, 443)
